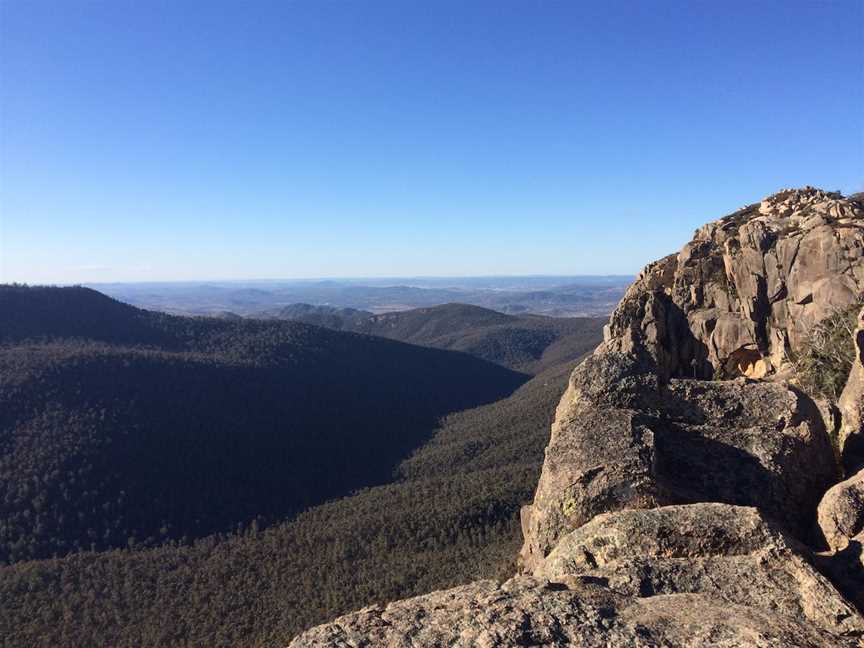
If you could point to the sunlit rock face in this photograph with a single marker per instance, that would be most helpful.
(624, 440)
(741, 296)
(732, 553)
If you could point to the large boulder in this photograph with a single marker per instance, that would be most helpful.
(742, 295)
(728, 552)
(851, 404)
(623, 439)
(841, 512)
(530, 612)
(841, 518)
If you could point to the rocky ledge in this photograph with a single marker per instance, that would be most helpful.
(691, 493)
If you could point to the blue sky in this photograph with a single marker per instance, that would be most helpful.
(228, 140)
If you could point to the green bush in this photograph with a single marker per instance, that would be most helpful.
(822, 365)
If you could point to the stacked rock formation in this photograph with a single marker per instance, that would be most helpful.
(743, 294)
(682, 502)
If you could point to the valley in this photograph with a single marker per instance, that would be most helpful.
(134, 403)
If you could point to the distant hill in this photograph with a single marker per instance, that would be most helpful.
(226, 315)
(338, 319)
(530, 343)
(123, 427)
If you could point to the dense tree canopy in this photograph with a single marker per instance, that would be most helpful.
(452, 517)
(148, 442)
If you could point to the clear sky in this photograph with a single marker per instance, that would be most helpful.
(216, 140)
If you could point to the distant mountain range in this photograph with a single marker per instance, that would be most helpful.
(577, 296)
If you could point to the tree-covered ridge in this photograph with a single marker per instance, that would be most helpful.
(121, 427)
(529, 343)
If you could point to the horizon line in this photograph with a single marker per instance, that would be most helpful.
(324, 278)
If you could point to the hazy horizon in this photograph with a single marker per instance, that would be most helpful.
(554, 295)
(358, 279)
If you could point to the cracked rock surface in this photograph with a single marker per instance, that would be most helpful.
(525, 611)
(621, 440)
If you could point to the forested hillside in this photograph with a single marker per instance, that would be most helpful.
(452, 516)
(529, 343)
(122, 428)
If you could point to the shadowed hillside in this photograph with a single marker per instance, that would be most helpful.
(121, 427)
(451, 517)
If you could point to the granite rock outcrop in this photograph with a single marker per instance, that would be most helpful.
(691, 494)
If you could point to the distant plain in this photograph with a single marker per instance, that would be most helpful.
(556, 296)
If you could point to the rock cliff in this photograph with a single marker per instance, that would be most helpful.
(742, 295)
(691, 494)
